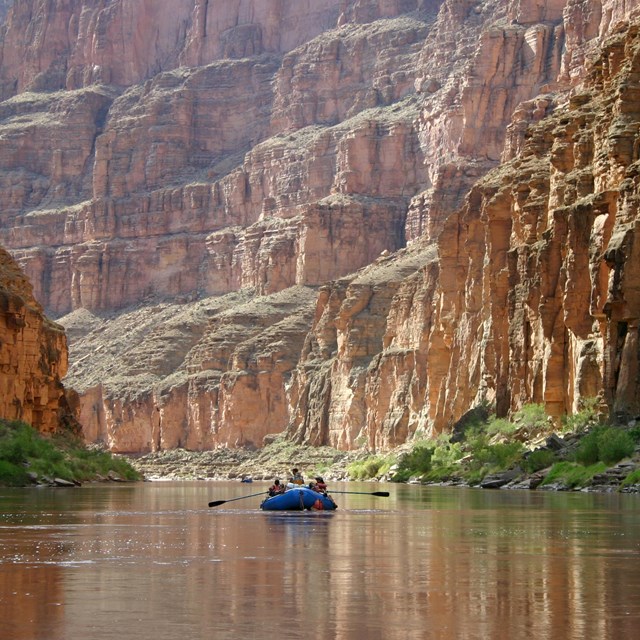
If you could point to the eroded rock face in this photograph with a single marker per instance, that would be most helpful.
(165, 180)
(199, 375)
(33, 357)
(268, 147)
(530, 293)
(124, 42)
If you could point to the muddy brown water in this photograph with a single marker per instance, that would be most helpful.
(151, 561)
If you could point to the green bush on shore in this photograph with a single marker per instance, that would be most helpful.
(369, 468)
(605, 444)
(538, 460)
(489, 447)
(631, 479)
(416, 462)
(24, 452)
(580, 421)
(572, 474)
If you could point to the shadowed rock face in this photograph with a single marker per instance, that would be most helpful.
(160, 166)
(5, 5)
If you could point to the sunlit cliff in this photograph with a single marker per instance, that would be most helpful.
(349, 220)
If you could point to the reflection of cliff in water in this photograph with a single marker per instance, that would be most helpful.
(304, 551)
(31, 566)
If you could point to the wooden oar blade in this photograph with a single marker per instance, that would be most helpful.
(216, 503)
(382, 494)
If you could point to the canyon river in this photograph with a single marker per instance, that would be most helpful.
(151, 561)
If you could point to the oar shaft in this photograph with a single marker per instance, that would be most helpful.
(380, 494)
(217, 503)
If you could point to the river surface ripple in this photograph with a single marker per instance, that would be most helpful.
(151, 561)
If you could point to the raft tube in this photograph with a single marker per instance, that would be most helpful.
(298, 499)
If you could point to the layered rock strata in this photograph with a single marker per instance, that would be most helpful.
(530, 293)
(197, 376)
(33, 357)
(166, 180)
(269, 148)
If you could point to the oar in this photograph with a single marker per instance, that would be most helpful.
(217, 503)
(381, 494)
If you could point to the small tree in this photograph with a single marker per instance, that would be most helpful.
(606, 444)
(584, 418)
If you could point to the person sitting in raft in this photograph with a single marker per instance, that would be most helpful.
(296, 478)
(276, 488)
(320, 485)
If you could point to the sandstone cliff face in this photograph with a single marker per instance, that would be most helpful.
(5, 5)
(33, 357)
(166, 180)
(153, 157)
(532, 296)
(198, 376)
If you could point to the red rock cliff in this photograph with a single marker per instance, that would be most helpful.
(177, 162)
(530, 293)
(33, 356)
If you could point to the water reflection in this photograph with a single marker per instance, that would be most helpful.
(153, 562)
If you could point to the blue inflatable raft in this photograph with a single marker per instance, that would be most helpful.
(299, 499)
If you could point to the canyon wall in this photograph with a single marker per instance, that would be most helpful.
(33, 358)
(529, 293)
(259, 216)
(5, 5)
(201, 180)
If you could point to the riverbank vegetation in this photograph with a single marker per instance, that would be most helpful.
(27, 458)
(525, 451)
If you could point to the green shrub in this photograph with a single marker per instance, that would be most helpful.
(486, 459)
(475, 476)
(23, 449)
(588, 449)
(634, 433)
(356, 470)
(500, 456)
(632, 478)
(373, 467)
(87, 463)
(12, 475)
(587, 416)
(501, 426)
(606, 444)
(572, 474)
(415, 463)
(537, 460)
(19, 442)
(476, 440)
(614, 445)
(446, 454)
(442, 473)
(531, 416)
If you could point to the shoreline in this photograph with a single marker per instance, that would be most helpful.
(276, 461)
